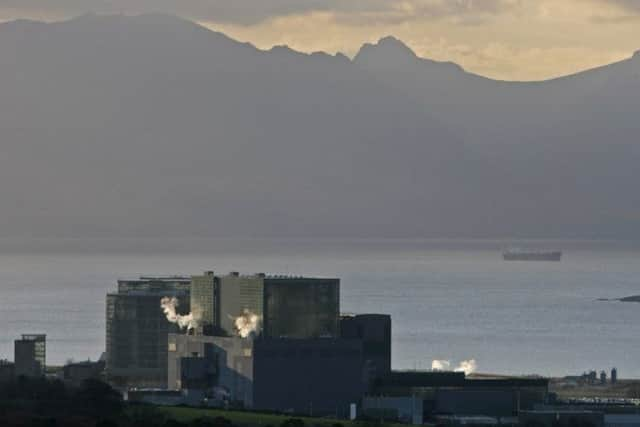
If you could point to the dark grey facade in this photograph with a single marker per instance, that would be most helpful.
(75, 373)
(375, 332)
(137, 330)
(204, 302)
(284, 306)
(407, 409)
(451, 393)
(308, 376)
(497, 402)
(217, 301)
(215, 364)
(301, 307)
(240, 296)
(556, 418)
(160, 284)
(7, 371)
(30, 355)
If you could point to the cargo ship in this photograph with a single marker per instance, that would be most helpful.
(528, 255)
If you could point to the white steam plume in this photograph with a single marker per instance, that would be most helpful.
(466, 366)
(168, 305)
(247, 323)
(440, 365)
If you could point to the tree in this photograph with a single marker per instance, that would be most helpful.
(98, 398)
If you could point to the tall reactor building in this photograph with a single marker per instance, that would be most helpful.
(280, 306)
(264, 342)
(231, 305)
(137, 329)
(30, 355)
(276, 344)
(298, 307)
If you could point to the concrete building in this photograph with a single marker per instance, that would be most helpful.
(155, 284)
(137, 330)
(622, 420)
(574, 418)
(279, 306)
(30, 355)
(203, 302)
(306, 376)
(218, 301)
(215, 364)
(316, 376)
(160, 397)
(375, 332)
(7, 371)
(74, 374)
(241, 297)
(299, 307)
(407, 410)
(452, 394)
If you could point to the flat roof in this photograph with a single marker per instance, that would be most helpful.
(33, 337)
(454, 379)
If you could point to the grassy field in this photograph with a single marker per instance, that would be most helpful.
(247, 419)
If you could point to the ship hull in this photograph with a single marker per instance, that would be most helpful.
(532, 256)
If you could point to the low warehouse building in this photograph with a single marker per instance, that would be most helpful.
(453, 394)
(320, 376)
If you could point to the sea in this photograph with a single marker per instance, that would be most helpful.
(450, 300)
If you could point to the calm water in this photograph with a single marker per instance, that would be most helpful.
(450, 300)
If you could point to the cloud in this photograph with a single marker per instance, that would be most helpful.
(249, 12)
(617, 12)
(238, 11)
(352, 12)
(532, 40)
(463, 12)
(631, 5)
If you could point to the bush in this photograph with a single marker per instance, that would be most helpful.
(98, 398)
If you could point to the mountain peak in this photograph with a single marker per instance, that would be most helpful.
(392, 43)
(160, 21)
(390, 53)
(636, 55)
(388, 49)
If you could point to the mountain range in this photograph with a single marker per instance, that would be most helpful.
(151, 125)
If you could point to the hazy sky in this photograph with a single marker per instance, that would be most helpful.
(508, 39)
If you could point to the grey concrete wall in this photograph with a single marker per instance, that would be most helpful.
(231, 360)
(408, 409)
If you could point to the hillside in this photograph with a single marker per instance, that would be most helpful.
(151, 125)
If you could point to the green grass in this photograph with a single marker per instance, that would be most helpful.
(243, 418)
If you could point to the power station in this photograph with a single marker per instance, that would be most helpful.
(278, 343)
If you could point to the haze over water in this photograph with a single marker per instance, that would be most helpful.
(452, 300)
